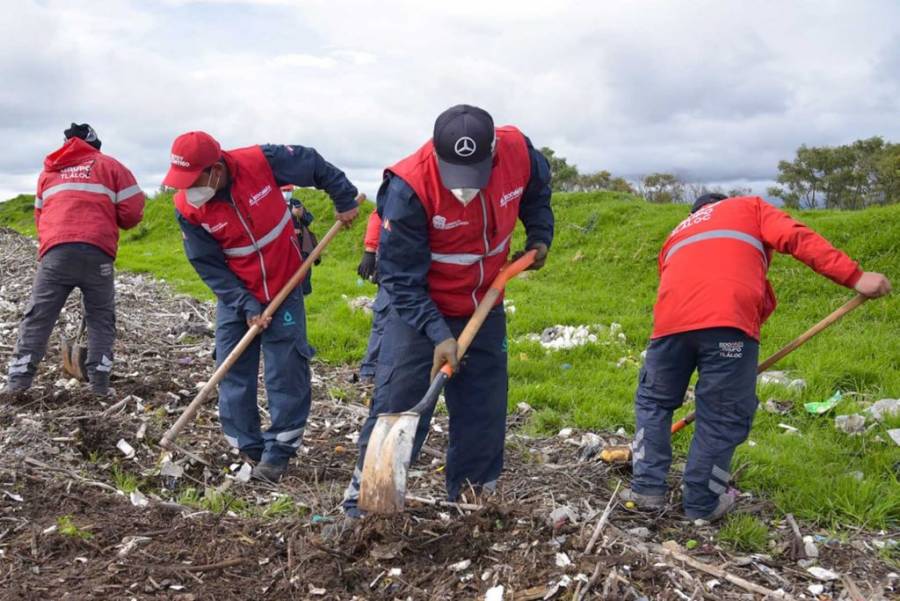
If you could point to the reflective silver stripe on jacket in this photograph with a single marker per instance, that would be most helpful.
(468, 258)
(713, 234)
(114, 197)
(271, 236)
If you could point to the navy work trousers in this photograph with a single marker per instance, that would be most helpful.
(725, 359)
(286, 356)
(476, 400)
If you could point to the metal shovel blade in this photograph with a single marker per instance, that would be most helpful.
(74, 357)
(383, 485)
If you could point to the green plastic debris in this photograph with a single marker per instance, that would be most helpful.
(691, 544)
(821, 407)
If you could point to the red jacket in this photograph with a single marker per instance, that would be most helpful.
(713, 266)
(469, 244)
(373, 232)
(254, 228)
(84, 195)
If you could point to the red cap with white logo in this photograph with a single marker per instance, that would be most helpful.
(191, 154)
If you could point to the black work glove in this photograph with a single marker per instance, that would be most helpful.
(366, 269)
(445, 352)
(539, 258)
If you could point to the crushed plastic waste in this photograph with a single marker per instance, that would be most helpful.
(820, 407)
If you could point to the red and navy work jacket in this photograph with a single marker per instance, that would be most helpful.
(85, 196)
(253, 228)
(469, 243)
(713, 266)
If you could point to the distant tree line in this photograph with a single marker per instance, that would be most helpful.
(853, 176)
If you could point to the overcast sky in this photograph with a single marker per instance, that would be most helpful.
(716, 91)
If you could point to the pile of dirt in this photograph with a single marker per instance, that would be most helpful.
(90, 508)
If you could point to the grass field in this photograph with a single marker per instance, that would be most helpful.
(602, 269)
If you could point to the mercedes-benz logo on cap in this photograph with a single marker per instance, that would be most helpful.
(465, 147)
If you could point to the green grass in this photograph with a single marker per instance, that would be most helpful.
(212, 500)
(602, 269)
(124, 481)
(67, 527)
(744, 532)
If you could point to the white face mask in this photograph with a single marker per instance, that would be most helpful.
(464, 195)
(200, 195)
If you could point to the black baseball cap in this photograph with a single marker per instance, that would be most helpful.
(463, 142)
(706, 199)
(85, 132)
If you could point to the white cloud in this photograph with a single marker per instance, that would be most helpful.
(716, 91)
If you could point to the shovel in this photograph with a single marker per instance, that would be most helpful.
(167, 441)
(791, 346)
(383, 483)
(74, 352)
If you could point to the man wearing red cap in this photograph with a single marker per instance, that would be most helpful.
(239, 237)
(83, 197)
(449, 211)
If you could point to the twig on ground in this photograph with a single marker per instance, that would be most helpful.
(603, 519)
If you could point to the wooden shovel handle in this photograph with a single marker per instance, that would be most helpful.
(850, 305)
(191, 410)
(509, 271)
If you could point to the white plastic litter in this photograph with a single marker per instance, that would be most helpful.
(565, 433)
(138, 499)
(816, 589)
(895, 435)
(562, 560)
(565, 337)
(243, 474)
(494, 593)
(822, 573)
(885, 407)
(126, 448)
(459, 566)
(850, 424)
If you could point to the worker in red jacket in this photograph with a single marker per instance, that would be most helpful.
(368, 270)
(238, 235)
(713, 298)
(83, 198)
(448, 213)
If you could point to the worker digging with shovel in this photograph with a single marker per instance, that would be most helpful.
(448, 213)
(713, 298)
(238, 235)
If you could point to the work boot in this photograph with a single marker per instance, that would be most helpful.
(100, 385)
(14, 392)
(643, 501)
(268, 472)
(727, 501)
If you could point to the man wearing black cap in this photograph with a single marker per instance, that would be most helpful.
(448, 213)
(83, 198)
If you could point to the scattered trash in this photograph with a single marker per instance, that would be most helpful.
(360, 303)
(319, 519)
(691, 544)
(319, 592)
(170, 469)
(565, 337)
(781, 378)
(884, 408)
(895, 435)
(816, 589)
(820, 407)
(562, 560)
(14, 497)
(243, 474)
(126, 448)
(459, 566)
(524, 407)
(778, 407)
(850, 424)
(589, 446)
(789, 429)
(138, 499)
(562, 515)
(395, 572)
(494, 593)
(809, 547)
(822, 573)
(711, 584)
(639, 532)
(616, 454)
(565, 433)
